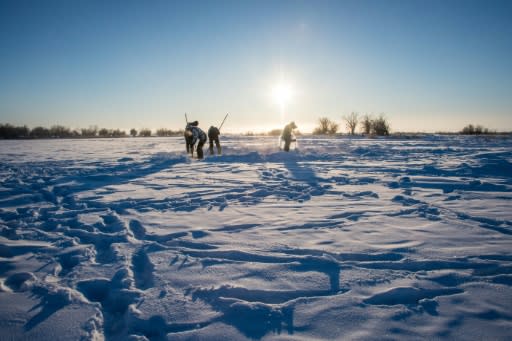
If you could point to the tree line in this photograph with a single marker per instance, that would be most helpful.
(8, 131)
(368, 125)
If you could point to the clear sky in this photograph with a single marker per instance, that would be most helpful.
(427, 65)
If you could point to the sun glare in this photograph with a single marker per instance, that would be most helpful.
(282, 93)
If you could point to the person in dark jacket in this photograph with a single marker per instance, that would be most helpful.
(287, 135)
(188, 136)
(199, 137)
(213, 136)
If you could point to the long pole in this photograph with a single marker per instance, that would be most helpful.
(186, 118)
(223, 121)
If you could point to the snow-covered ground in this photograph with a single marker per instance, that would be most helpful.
(353, 239)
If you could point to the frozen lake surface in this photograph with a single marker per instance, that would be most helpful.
(353, 239)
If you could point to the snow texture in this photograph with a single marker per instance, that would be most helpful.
(344, 238)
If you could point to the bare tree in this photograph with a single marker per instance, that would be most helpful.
(325, 126)
(351, 122)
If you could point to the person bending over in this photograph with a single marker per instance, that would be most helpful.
(213, 136)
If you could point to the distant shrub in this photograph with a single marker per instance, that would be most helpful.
(163, 132)
(133, 132)
(468, 130)
(380, 126)
(92, 131)
(104, 132)
(40, 132)
(375, 126)
(59, 131)
(333, 128)
(475, 130)
(325, 126)
(168, 132)
(366, 124)
(145, 132)
(275, 132)
(118, 133)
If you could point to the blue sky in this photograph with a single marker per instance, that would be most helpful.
(427, 65)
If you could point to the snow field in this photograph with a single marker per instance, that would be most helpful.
(359, 239)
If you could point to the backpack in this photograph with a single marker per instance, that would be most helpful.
(213, 132)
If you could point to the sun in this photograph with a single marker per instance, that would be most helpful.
(282, 93)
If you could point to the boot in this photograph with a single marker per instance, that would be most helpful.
(219, 150)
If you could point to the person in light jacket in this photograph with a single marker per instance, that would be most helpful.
(287, 135)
